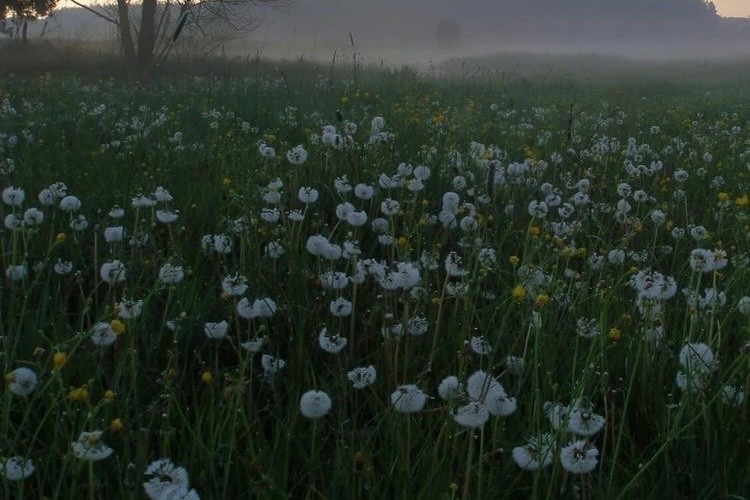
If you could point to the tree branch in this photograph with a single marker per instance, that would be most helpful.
(96, 12)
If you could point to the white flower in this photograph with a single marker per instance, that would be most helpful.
(129, 308)
(538, 209)
(89, 446)
(408, 399)
(16, 272)
(472, 415)
(79, 223)
(340, 307)
(116, 212)
(142, 201)
(389, 207)
(363, 191)
(13, 221)
(362, 376)
(114, 234)
(331, 343)
(13, 196)
(166, 216)
(33, 217)
(271, 364)
(335, 280)
(450, 388)
(63, 267)
(579, 457)
(70, 204)
(274, 249)
(297, 155)
(307, 195)
(743, 305)
(216, 330)
(235, 285)
(453, 266)
(315, 404)
(17, 468)
(22, 381)
(112, 272)
(166, 479)
(170, 274)
(480, 345)
(102, 334)
(254, 345)
(537, 453)
(732, 396)
(583, 422)
(697, 358)
(162, 195)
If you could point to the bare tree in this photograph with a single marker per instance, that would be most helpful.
(20, 12)
(148, 29)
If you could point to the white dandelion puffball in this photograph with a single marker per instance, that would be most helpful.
(22, 381)
(536, 454)
(170, 274)
(584, 422)
(472, 415)
(362, 376)
(330, 342)
(697, 357)
(408, 399)
(450, 388)
(579, 457)
(17, 468)
(113, 272)
(102, 334)
(165, 476)
(89, 446)
(216, 330)
(314, 404)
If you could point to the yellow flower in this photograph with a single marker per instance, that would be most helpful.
(403, 241)
(514, 260)
(207, 377)
(78, 394)
(116, 425)
(226, 182)
(61, 237)
(58, 360)
(117, 326)
(723, 196)
(541, 300)
(109, 395)
(518, 293)
(615, 334)
(743, 201)
(534, 231)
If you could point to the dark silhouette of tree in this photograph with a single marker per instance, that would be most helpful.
(148, 29)
(20, 12)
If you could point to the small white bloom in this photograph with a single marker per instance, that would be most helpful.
(216, 330)
(362, 376)
(22, 381)
(579, 457)
(408, 399)
(89, 446)
(170, 274)
(17, 468)
(315, 404)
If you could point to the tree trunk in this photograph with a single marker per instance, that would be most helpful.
(126, 36)
(25, 31)
(147, 34)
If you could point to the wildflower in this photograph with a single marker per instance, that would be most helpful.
(234, 285)
(207, 377)
(518, 293)
(482, 387)
(22, 381)
(453, 266)
(536, 454)
(331, 343)
(13, 196)
(315, 404)
(335, 280)
(408, 399)
(254, 345)
(112, 272)
(340, 307)
(58, 360)
(697, 358)
(538, 209)
(162, 195)
(364, 191)
(13, 222)
(33, 217)
(587, 328)
(417, 326)
(166, 216)
(480, 345)
(472, 415)
(362, 376)
(271, 364)
(129, 308)
(389, 207)
(116, 212)
(450, 388)
(274, 250)
(307, 195)
(16, 272)
(743, 305)
(170, 274)
(583, 422)
(732, 396)
(166, 480)
(89, 446)
(70, 204)
(117, 326)
(103, 334)
(216, 330)
(579, 457)
(17, 468)
(78, 394)
(114, 234)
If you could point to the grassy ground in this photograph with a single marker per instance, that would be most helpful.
(617, 323)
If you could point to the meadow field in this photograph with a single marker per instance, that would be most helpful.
(302, 281)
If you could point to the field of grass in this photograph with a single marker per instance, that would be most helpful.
(318, 282)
